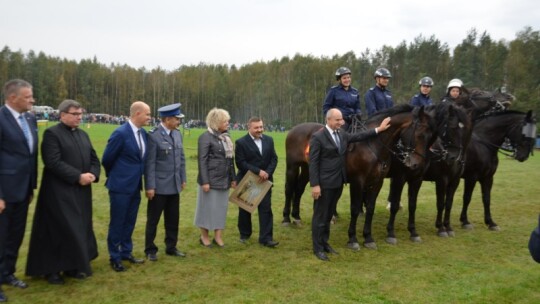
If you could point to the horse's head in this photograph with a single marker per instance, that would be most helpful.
(412, 129)
(454, 128)
(523, 136)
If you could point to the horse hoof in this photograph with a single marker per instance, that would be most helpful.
(416, 239)
(443, 234)
(297, 223)
(370, 245)
(451, 233)
(285, 224)
(353, 246)
(495, 228)
(467, 226)
(391, 240)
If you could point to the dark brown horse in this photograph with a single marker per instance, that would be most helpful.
(369, 161)
(419, 125)
(450, 121)
(489, 134)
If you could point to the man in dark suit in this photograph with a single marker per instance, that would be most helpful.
(327, 174)
(18, 174)
(165, 178)
(255, 152)
(123, 161)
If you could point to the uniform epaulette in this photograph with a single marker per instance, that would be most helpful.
(334, 87)
(153, 129)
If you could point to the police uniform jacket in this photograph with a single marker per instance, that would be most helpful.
(377, 99)
(165, 168)
(421, 100)
(347, 101)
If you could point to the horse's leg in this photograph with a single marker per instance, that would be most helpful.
(468, 190)
(450, 192)
(440, 187)
(356, 206)
(291, 182)
(486, 185)
(414, 189)
(301, 183)
(370, 198)
(334, 208)
(394, 196)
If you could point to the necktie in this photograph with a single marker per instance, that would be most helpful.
(26, 131)
(336, 139)
(140, 143)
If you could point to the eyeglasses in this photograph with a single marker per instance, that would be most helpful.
(75, 113)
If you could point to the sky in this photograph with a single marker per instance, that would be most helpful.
(171, 33)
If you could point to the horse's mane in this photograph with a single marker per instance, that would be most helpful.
(400, 108)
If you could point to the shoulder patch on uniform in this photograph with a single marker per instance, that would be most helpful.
(153, 129)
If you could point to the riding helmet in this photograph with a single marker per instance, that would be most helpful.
(426, 81)
(382, 72)
(342, 71)
(455, 83)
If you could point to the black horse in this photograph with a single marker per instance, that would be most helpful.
(482, 161)
(445, 162)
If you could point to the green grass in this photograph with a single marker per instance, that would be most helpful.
(477, 266)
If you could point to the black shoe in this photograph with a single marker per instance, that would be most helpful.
(54, 279)
(203, 244)
(152, 257)
(176, 252)
(331, 250)
(321, 256)
(3, 297)
(13, 281)
(270, 244)
(76, 274)
(217, 244)
(133, 260)
(117, 266)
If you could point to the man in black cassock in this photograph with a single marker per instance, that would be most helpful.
(63, 240)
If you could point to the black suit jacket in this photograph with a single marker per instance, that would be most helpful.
(326, 161)
(248, 157)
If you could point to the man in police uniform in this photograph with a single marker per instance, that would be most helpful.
(165, 178)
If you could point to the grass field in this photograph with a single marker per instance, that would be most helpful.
(476, 266)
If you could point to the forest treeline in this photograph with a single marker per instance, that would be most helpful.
(284, 91)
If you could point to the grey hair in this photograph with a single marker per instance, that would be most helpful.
(13, 86)
(67, 104)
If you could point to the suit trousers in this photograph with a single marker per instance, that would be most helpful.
(169, 205)
(323, 209)
(12, 227)
(266, 220)
(124, 209)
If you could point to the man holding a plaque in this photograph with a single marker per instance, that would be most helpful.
(255, 152)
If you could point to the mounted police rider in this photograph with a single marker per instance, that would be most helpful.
(379, 97)
(423, 98)
(453, 90)
(343, 97)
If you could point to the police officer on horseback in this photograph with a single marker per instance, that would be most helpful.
(343, 97)
(379, 97)
(453, 90)
(423, 98)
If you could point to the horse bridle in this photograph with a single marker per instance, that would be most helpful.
(404, 152)
(528, 131)
(446, 143)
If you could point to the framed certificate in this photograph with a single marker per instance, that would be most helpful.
(250, 192)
